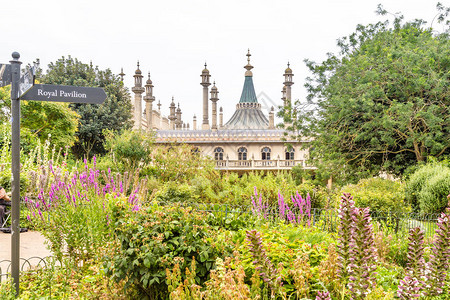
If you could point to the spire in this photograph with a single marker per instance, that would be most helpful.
(248, 67)
(121, 74)
(138, 71)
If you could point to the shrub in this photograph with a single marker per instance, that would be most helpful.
(428, 187)
(129, 149)
(173, 192)
(159, 237)
(378, 194)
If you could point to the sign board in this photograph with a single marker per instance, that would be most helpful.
(63, 93)
(26, 81)
(5, 74)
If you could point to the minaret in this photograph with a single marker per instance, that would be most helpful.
(283, 95)
(194, 123)
(288, 83)
(205, 83)
(178, 122)
(214, 99)
(121, 74)
(271, 119)
(160, 115)
(172, 116)
(137, 90)
(148, 98)
(221, 118)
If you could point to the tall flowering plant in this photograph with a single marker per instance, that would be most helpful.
(346, 210)
(412, 284)
(363, 255)
(437, 268)
(300, 211)
(73, 210)
(259, 208)
(297, 212)
(266, 270)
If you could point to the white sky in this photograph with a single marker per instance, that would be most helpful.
(173, 39)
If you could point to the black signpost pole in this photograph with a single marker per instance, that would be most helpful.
(15, 169)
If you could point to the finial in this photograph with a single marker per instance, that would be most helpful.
(248, 67)
(178, 104)
(138, 64)
(15, 55)
(205, 64)
(121, 74)
(288, 64)
(149, 75)
(214, 82)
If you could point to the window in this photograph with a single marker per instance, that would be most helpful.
(265, 153)
(290, 154)
(242, 153)
(218, 153)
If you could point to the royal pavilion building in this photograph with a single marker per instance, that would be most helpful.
(248, 141)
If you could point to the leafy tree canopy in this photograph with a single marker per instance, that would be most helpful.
(113, 114)
(382, 103)
(42, 120)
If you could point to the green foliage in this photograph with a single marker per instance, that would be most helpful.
(388, 277)
(63, 280)
(158, 237)
(180, 163)
(175, 193)
(284, 243)
(380, 195)
(428, 187)
(382, 103)
(113, 114)
(42, 120)
(129, 149)
(7, 291)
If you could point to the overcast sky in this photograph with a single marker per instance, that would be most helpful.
(173, 39)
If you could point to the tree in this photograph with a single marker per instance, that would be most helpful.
(42, 120)
(382, 103)
(113, 114)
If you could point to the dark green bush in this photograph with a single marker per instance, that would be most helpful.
(154, 239)
(428, 187)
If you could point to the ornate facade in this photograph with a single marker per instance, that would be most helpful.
(248, 141)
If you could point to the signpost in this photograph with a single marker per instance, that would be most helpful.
(24, 88)
(62, 93)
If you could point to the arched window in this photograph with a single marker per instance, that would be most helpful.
(242, 153)
(265, 153)
(218, 153)
(290, 154)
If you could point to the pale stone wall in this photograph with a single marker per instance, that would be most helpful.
(253, 150)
